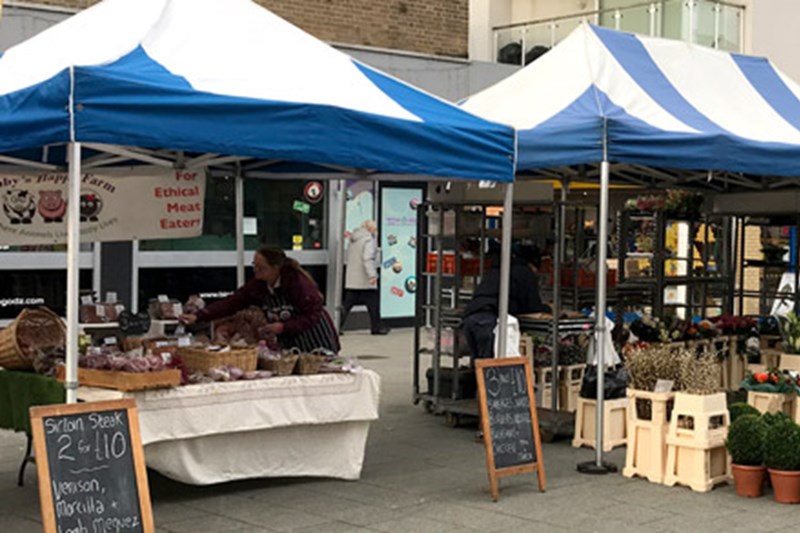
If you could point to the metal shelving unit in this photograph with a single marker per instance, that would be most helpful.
(707, 280)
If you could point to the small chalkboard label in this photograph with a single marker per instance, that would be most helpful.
(509, 420)
(131, 324)
(92, 475)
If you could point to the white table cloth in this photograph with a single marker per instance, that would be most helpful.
(289, 426)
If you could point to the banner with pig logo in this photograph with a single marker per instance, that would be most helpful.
(152, 204)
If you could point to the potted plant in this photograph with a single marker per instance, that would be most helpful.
(738, 409)
(769, 391)
(745, 444)
(773, 253)
(782, 457)
(790, 328)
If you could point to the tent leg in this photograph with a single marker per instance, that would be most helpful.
(73, 270)
(599, 466)
(239, 195)
(337, 245)
(505, 269)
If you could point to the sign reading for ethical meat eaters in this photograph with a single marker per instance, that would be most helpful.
(151, 204)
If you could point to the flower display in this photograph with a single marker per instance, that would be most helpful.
(734, 325)
(773, 380)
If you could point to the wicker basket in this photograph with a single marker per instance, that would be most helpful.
(309, 363)
(202, 360)
(280, 367)
(32, 330)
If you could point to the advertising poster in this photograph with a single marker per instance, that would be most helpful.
(360, 206)
(398, 239)
(157, 204)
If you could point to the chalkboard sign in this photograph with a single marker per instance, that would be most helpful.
(92, 476)
(131, 324)
(508, 418)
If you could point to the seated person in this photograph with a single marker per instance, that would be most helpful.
(480, 316)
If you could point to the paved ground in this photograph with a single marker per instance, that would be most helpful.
(423, 476)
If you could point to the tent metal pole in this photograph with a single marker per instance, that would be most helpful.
(599, 466)
(338, 247)
(239, 194)
(73, 270)
(505, 270)
(135, 276)
(97, 265)
(600, 312)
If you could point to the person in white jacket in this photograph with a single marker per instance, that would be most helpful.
(361, 279)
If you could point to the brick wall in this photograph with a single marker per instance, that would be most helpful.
(436, 27)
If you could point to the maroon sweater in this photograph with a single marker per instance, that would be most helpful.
(296, 288)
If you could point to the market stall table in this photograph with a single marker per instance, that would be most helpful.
(18, 392)
(288, 426)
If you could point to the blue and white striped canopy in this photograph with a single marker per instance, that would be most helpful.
(647, 101)
(229, 77)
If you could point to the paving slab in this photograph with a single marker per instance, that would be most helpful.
(421, 476)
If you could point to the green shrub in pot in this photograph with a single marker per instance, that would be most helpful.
(746, 438)
(741, 408)
(782, 446)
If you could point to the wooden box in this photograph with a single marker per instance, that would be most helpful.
(615, 423)
(125, 381)
(648, 422)
(772, 402)
(696, 455)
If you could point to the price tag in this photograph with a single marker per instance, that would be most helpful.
(100, 310)
(184, 342)
(161, 344)
(163, 298)
(110, 341)
(86, 300)
(111, 297)
(177, 309)
(664, 385)
(166, 357)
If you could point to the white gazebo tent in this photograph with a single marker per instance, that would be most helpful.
(650, 112)
(224, 84)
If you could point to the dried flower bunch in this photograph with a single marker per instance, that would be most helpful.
(699, 375)
(647, 365)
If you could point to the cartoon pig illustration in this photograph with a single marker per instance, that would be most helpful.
(52, 206)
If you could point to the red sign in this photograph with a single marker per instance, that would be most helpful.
(313, 192)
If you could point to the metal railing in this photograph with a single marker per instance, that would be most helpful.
(709, 23)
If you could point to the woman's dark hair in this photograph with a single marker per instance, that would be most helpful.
(277, 258)
(528, 253)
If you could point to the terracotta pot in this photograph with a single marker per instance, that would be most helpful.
(786, 485)
(749, 480)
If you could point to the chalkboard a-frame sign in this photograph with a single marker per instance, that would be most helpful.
(509, 420)
(92, 476)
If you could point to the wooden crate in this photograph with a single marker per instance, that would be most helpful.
(647, 438)
(796, 414)
(615, 423)
(544, 382)
(696, 455)
(737, 366)
(771, 358)
(699, 468)
(526, 346)
(790, 362)
(569, 386)
(772, 402)
(125, 381)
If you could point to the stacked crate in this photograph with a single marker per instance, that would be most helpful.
(696, 454)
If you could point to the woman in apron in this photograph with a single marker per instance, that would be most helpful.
(290, 299)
